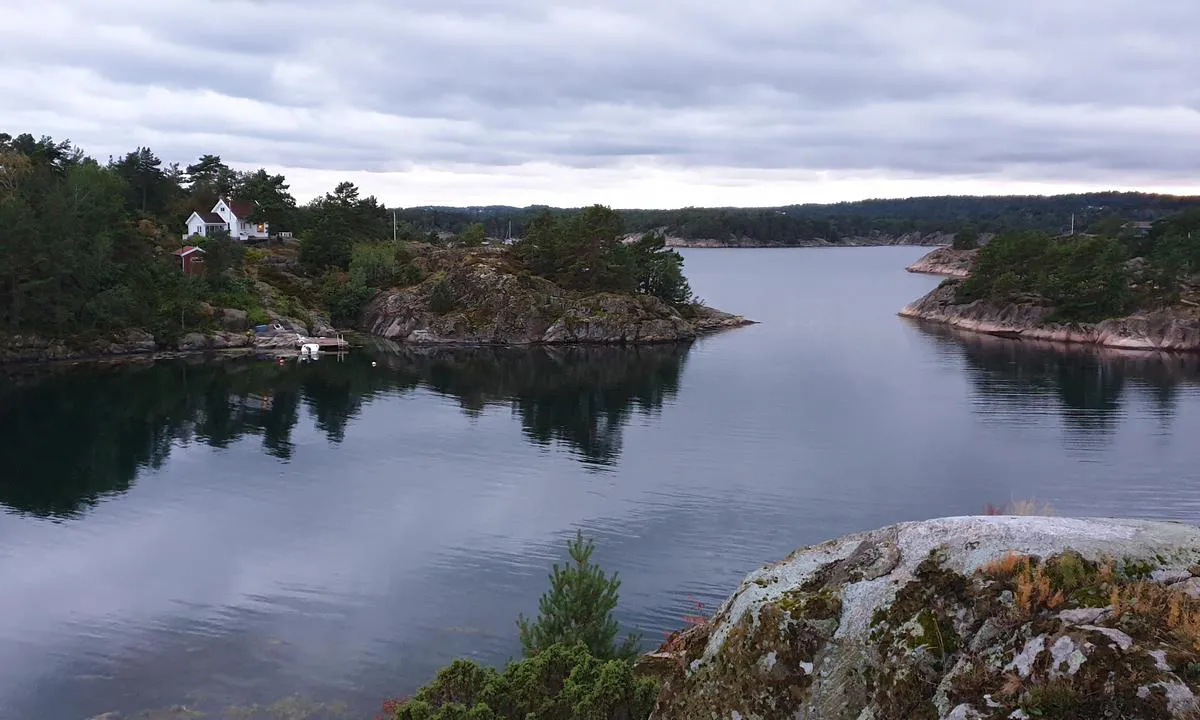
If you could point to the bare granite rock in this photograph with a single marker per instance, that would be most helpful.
(223, 340)
(321, 327)
(968, 617)
(192, 342)
(234, 320)
(1176, 328)
(945, 261)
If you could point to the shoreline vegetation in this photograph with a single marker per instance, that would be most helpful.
(90, 266)
(1117, 286)
(89, 263)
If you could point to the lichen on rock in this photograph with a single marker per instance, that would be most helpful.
(980, 617)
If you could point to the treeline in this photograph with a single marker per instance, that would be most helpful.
(1091, 276)
(87, 248)
(800, 224)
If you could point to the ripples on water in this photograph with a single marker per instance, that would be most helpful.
(234, 532)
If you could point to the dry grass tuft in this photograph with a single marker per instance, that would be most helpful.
(1006, 566)
(1011, 686)
(1160, 606)
(1034, 588)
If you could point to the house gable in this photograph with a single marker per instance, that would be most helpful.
(232, 216)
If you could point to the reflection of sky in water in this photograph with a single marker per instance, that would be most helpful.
(353, 569)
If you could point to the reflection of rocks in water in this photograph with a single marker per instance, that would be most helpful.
(578, 395)
(1088, 381)
(70, 436)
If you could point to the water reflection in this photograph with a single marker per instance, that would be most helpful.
(578, 396)
(1087, 385)
(69, 437)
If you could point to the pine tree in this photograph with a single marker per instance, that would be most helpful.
(578, 608)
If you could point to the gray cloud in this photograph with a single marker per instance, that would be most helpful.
(1048, 90)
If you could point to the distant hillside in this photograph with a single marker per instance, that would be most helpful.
(804, 224)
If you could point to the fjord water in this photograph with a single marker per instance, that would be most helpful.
(230, 533)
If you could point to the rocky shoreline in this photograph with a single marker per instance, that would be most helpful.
(1175, 329)
(956, 618)
(945, 261)
(139, 344)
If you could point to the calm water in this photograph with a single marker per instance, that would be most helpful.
(227, 534)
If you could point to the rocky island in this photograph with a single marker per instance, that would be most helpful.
(480, 297)
(1128, 291)
(953, 619)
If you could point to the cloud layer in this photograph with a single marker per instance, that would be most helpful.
(635, 102)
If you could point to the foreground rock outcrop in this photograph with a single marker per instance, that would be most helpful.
(945, 261)
(1175, 328)
(480, 300)
(957, 618)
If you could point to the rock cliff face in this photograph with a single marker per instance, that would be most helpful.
(958, 618)
(1176, 328)
(480, 301)
(945, 261)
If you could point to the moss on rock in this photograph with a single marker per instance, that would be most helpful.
(1057, 629)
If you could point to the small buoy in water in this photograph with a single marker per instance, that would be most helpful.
(280, 361)
(372, 363)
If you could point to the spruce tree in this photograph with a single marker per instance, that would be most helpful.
(578, 608)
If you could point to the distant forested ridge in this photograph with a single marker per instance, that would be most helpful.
(836, 222)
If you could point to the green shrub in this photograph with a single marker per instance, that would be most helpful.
(373, 264)
(578, 608)
(345, 298)
(966, 238)
(441, 298)
(257, 316)
(573, 667)
(563, 682)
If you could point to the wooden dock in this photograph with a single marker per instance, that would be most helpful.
(326, 344)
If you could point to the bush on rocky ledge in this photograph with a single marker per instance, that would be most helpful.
(574, 667)
(562, 682)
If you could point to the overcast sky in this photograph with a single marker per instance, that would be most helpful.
(633, 103)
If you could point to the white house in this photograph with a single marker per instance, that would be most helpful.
(230, 216)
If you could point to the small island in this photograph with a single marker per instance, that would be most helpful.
(1131, 285)
(571, 279)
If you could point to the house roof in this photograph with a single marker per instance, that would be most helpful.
(208, 218)
(241, 210)
(188, 250)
